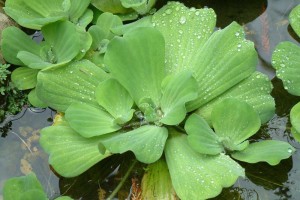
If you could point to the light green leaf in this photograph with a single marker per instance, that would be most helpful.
(75, 82)
(157, 183)
(115, 99)
(112, 6)
(35, 101)
(222, 62)
(24, 78)
(85, 19)
(234, 121)
(141, 6)
(176, 91)
(296, 134)
(33, 61)
(77, 9)
(286, 61)
(295, 117)
(198, 176)
(137, 61)
(269, 151)
(201, 137)
(143, 22)
(24, 187)
(294, 19)
(90, 121)
(70, 153)
(185, 31)
(85, 42)
(15, 40)
(36, 13)
(255, 90)
(63, 40)
(146, 142)
(63, 198)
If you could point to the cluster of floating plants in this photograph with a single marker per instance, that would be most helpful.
(168, 87)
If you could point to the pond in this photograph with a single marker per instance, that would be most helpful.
(266, 24)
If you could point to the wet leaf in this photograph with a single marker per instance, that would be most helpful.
(198, 176)
(146, 142)
(24, 78)
(176, 91)
(137, 60)
(75, 82)
(115, 99)
(90, 121)
(70, 153)
(270, 151)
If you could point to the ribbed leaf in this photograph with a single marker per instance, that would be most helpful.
(32, 61)
(137, 62)
(70, 153)
(286, 61)
(90, 121)
(115, 99)
(176, 91)
(294, 19)
(77, 9)
(35, 101)
(222, 62)
(295, 117)
(201, 137)
(157, 183)
(146, 142)
(75, 82)
(269, 151)
(15, 40)
(85, 19)
(198, 176)
(112, 6)
(34, 14)
(185, 31)
(24, 187)
(24, 78)
(254, 90)
(234, 121)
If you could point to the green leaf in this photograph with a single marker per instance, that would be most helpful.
(70, 153)
(201, 137)
(85, 42)
(75, 82)
(146, 142)
(35, 101)
(137, 61)
(222, 62)
(176, 91)
(234, 121)
(286, 61)
(15, 40)
(24, 78)
(25, 187)
(296, 134)
(255, 90)
(112, 6)
(185, 31)
(63, 40)
(295, 117)
(32, 61)
(85, 19)
(269, 151)
(115, 99)
(141, 6)
(63, 198)
(90, 121)
(198, 176)
(157, 183)
(35, 13)
(143, 22)
(77, 9)
(294, 19)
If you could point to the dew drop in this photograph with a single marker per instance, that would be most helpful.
(282, 65)
(168, 11)
(182, 20)
(197, 13)
(290, 150)
(237, 34)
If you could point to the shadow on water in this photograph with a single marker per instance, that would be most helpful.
(266, 25)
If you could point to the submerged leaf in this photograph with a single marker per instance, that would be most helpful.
(90, 121)
(198, 176)
(146, 142)
(115, 99)
(286, 61)
(234, 121)
(295, 117)
(269, 151)
(201, 137)
(70, 153)
(176, 91)
(74, 82)
(24, 78)
(137, 61)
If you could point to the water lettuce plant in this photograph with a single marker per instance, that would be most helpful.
(286, 61)
(154, 88)
(26, 187)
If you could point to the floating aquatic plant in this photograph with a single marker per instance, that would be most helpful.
(286, 61)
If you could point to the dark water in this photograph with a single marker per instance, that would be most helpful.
(266, 24)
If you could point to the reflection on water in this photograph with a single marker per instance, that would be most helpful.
(20, 151)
